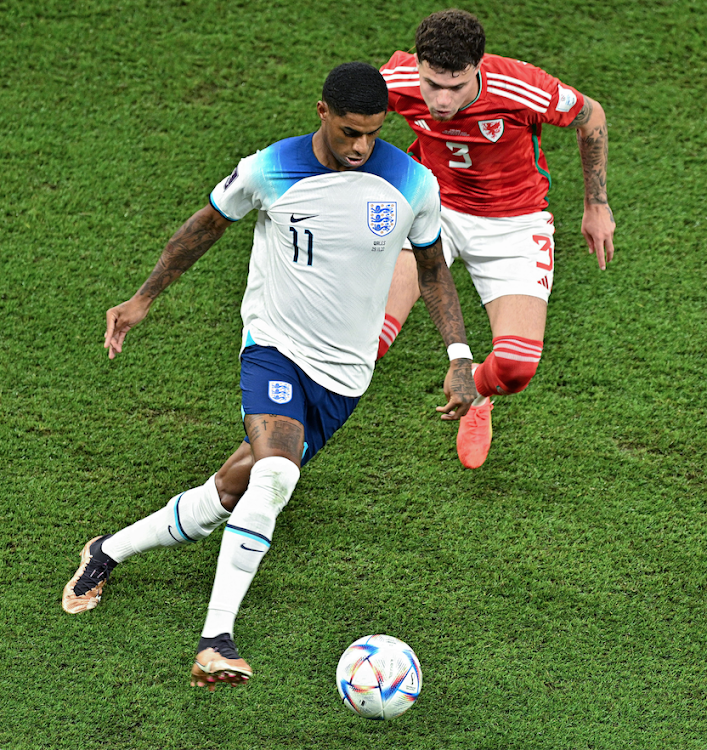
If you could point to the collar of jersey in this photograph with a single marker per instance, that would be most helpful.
(478, 94)
(317, 167)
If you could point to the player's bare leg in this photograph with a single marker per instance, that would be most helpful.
(404, 292)
(517, 315)
(518, 327)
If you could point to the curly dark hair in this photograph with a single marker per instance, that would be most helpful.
(450, 40)
(355, 87)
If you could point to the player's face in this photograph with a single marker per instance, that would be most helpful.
(345, 141)
(446, 92)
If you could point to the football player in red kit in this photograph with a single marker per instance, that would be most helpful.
(478, 121)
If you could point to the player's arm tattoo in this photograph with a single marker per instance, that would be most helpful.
(439, 293)
(593, 142)
(185, 247)
(584, 114)
(462, 380)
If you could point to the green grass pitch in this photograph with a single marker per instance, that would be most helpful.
(555, 597)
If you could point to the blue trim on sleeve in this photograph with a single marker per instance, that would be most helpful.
(213, 204)
(427, 244)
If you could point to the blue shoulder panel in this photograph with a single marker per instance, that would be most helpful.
(285, 163)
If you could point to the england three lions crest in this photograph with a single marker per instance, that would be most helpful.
(279, 391)
(382, 217)
(491, 129)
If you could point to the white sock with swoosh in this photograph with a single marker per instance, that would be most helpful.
(247, 538)
(187, 517)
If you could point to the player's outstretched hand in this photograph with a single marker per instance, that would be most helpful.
(459, 389)
(120, 319)
(598, 229)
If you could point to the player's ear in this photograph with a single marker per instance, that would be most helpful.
(322, 110)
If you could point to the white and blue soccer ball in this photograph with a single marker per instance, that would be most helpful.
(379, 677)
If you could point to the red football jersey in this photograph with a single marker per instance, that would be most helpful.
(487, 158)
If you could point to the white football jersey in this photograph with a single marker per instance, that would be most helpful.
(324, 250)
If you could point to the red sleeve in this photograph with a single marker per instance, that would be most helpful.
(566, 101)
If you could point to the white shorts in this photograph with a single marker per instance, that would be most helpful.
(513, 255)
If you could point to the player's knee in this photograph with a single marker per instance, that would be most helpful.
(510, 367)
(514, 376)
(272, 482)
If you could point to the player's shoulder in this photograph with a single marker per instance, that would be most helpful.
(495, 69)
(400, 72)
(388, 160)
(399, 60)
(518, 86)
(270, 172)
(494, 66)
(400, 170)
(277, 167)
(289, 154)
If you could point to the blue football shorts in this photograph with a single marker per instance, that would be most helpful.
(273, 384)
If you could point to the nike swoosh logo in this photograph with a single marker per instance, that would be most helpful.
(250, 549)
(176, 539)
(302, 218)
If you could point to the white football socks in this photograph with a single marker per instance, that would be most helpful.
(247, 538)
(187, 517)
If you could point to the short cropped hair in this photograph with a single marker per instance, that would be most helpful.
(450, 40)
(355, 87)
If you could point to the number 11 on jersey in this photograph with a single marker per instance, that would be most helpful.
(310, 245)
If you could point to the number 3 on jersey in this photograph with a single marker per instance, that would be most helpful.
(459, 149)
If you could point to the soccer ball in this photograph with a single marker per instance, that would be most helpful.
(379, 677)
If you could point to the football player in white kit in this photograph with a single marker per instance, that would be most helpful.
(334, 210)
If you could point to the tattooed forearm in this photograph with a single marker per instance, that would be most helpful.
(594, 152)
(593, 142)
(187, 245)
(461, 380)
(440, 294)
